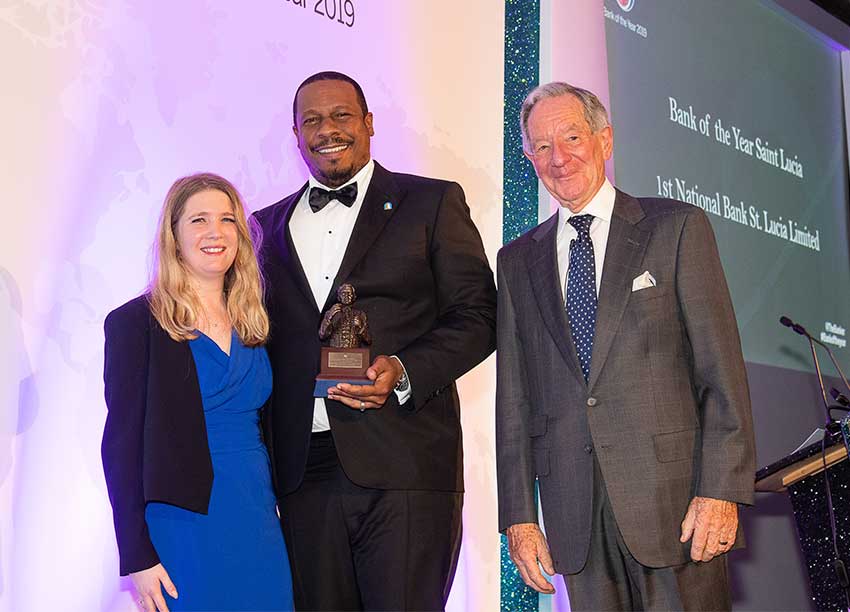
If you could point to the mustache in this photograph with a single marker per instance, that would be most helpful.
(330, 142)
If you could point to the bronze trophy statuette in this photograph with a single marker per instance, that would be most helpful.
(346, 330)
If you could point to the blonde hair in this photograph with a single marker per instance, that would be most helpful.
(173, 302)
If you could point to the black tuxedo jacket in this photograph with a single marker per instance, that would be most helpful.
(155, 441)
(418, 266)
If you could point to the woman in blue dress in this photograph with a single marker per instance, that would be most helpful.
(186, 376)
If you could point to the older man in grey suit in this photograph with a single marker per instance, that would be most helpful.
(621, 384)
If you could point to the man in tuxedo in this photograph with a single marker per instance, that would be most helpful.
(370, 478)
(621, 385)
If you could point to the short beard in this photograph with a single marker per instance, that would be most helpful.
(337, 177)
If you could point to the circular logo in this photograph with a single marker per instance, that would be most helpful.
(626, 5)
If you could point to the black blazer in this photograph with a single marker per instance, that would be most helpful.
(155, 442)
(418, 265)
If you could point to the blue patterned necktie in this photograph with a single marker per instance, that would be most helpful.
(581, 291)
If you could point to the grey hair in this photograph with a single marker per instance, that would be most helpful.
(594, 111)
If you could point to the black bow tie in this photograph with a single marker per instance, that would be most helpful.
(319, 197)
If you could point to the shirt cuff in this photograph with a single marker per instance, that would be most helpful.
(403, 396)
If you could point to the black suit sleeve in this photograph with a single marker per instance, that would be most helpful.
(122, 449)
(464, 333)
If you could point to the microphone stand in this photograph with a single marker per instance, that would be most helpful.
(838, 564)
(835, 363)
(812, 341)
(820, 377)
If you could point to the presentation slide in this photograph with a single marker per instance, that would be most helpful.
(737, 108)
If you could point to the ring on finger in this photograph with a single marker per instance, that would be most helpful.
(362, 407)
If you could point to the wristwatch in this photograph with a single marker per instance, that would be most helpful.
(403, 383)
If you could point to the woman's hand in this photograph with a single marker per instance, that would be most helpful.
(149, 593)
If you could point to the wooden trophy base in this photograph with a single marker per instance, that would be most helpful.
(341, 365)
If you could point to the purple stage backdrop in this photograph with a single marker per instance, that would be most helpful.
(104, 105)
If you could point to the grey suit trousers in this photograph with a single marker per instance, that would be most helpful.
(613, 580)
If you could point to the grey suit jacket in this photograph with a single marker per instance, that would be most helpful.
(666, 409)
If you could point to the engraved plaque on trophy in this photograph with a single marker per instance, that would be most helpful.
(344, 360)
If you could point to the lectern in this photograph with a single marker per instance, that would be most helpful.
(802, 474)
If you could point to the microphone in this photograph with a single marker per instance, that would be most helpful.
(839, 397)
(802, 331)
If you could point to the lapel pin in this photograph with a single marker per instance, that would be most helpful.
(388, 205)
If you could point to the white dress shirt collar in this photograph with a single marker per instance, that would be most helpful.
(601, 206)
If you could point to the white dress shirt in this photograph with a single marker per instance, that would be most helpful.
(601, 206)
(321, 239)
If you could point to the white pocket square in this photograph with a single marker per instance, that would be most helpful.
(643, 281)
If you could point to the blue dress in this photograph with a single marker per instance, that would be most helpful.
(234, 557)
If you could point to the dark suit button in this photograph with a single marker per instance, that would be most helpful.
(591, 401)
(588, 448)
